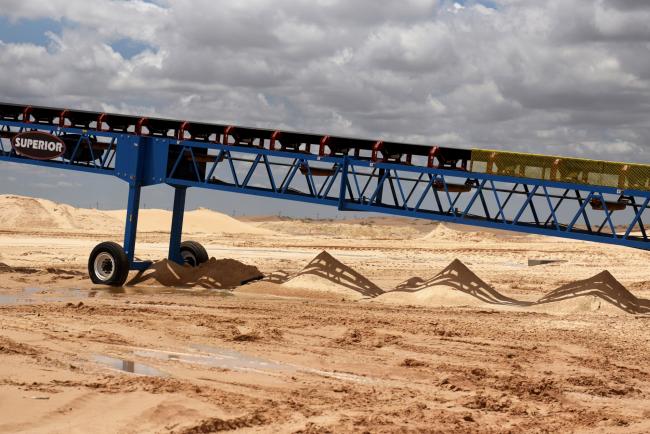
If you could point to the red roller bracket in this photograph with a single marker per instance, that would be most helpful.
(275, 136)
(26, 114)
(62, 117)
(376, 148)
(226, 132)
(142, 122)
(100, 122)
(323, 142)
(433, 153)
(181, 130)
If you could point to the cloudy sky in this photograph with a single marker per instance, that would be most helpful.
(568, 77)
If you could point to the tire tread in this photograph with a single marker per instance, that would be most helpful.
(121, 263)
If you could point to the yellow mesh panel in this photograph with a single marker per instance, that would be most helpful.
(636, 176)
(564, 169)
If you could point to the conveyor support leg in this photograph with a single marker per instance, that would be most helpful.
(177, 225)
(131, 226)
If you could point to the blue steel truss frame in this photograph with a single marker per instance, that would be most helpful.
(350, 183)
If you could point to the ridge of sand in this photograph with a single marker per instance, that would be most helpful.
(341, 229)
(456, 232)
(200, 220)
(455, 285)
(602, 292)
(327, 274)
(444, 232)
(36, 215)
(214, 274)
(323, 277)
(41, 215)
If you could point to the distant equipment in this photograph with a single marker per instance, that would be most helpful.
(534, 262)
(573, 198)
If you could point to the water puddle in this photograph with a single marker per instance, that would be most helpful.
(40, 295)
(225, 358)
(345, 376)
(128, 366)
(164, 290)
(216, 358)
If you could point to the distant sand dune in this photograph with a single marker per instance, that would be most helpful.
(41, 215)
(196, 221)
(444, 232)
(458, 232)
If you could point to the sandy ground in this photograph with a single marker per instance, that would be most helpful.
(398, 326)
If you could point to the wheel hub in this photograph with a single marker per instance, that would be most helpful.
(188, 258)
(104, 266)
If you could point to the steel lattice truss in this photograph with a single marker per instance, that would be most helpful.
(351, 179)
(541, 207)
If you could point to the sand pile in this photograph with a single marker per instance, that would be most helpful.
(456, 285)
(41, 215)
(324, 277)
(446, 233)
(454, 232)
(601, 292)
(328, 274)
(339, 229)
(214, 274)
(197, 221)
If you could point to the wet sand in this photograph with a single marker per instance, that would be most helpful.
(280, 364)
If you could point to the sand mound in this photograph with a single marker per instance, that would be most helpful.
(324, 277)
(600, 292)
(327, 274)
(214, 274)
(455, 285)
(341, 229)
(444, 232)
(197, 221)
(41, 215)
(454, 232)
(36, 215)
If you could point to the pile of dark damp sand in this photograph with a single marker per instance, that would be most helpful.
(213, 274)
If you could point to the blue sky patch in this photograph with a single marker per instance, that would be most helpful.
(128, 47)
(28, 31)
(487, 3)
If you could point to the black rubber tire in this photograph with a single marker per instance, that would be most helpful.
(115, 267)
(193, 253)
